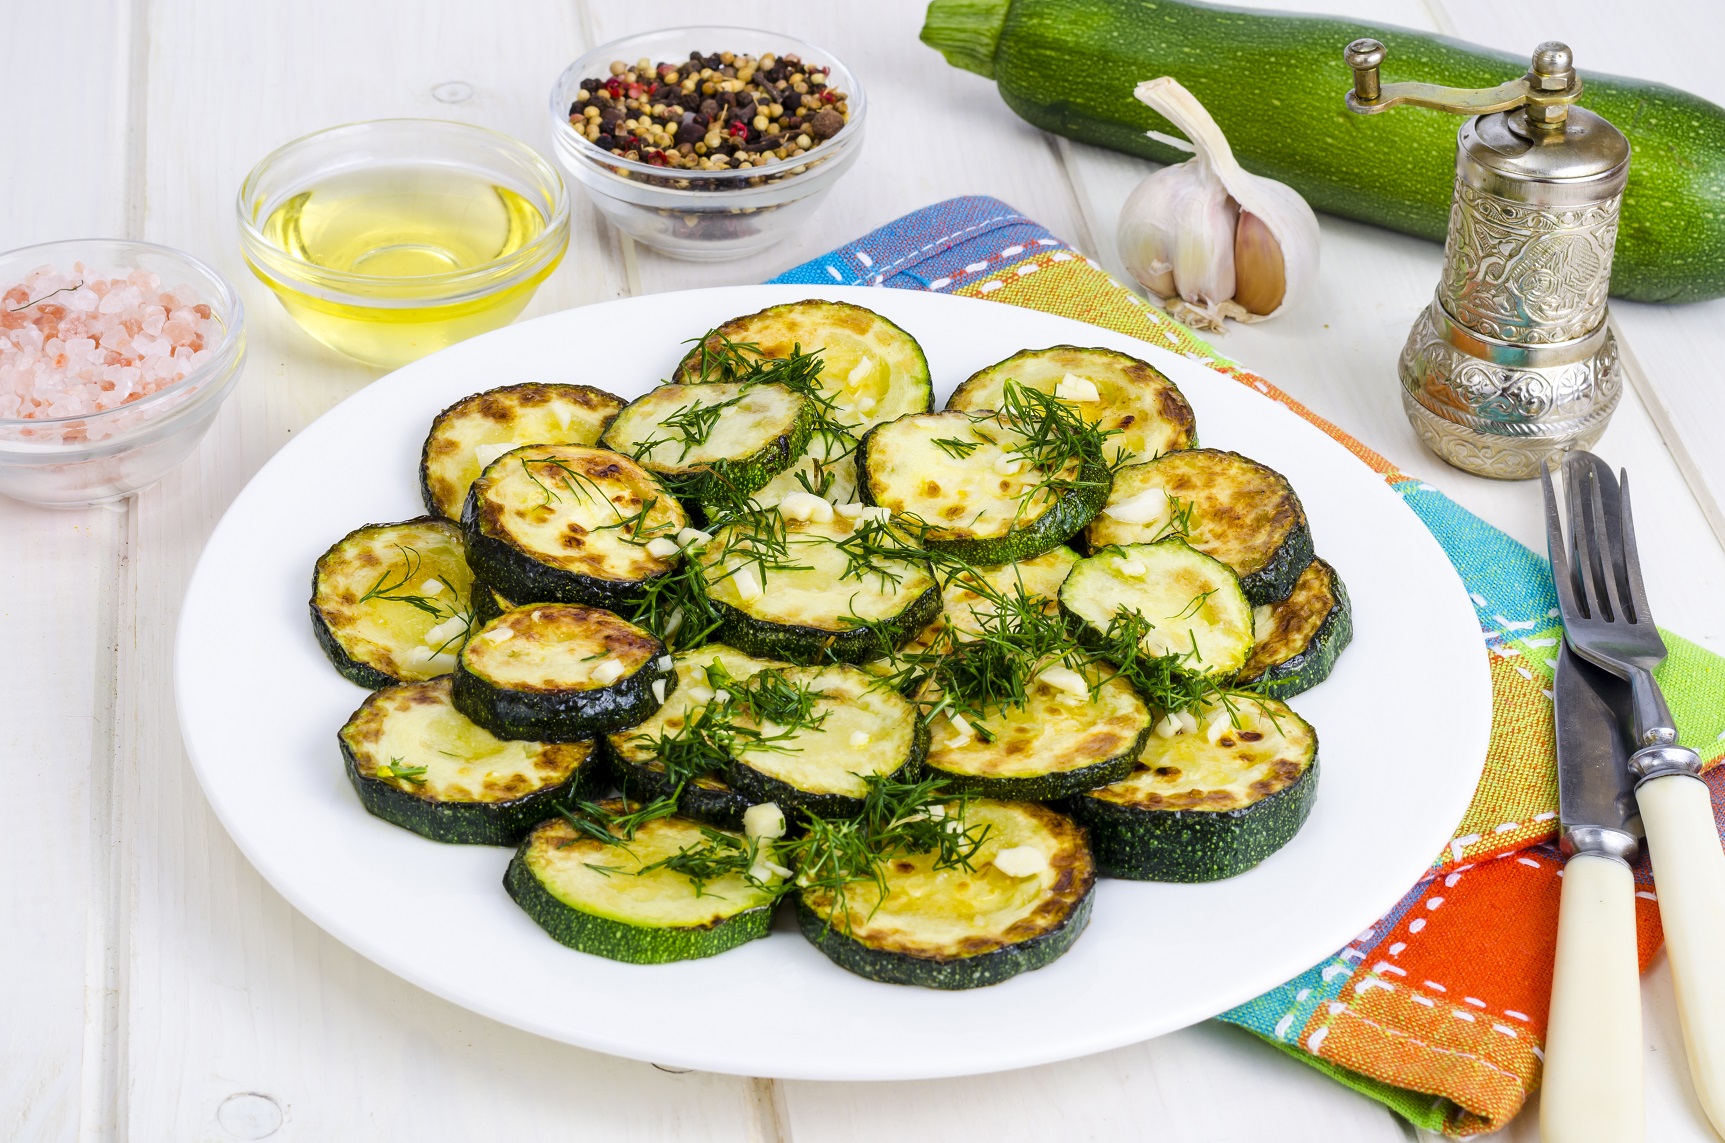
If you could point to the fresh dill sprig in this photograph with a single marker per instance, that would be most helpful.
(390, 590)
(955, 448)
(690, 426)
(1056, 442)
(1165, 681)
(829, 857)
(414, 775)
(718, 357)
(610, 827)
(716, 856)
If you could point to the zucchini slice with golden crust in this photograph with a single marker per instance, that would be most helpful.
(964, 480)
(1210, 802)
(680, 432)
(419, 763)
(855, 729)
(1189, 604)
(1300, 637)
(592, 896)
(1023, 903)
(561, 672)
(635, 753)
(871, 369)
(1065, 739)
(476, 430)
(1225, 505)
(805, 599)
(1110, 389)
(389, 601)
(570, 524)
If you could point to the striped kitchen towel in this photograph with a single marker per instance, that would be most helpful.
(1438, 1010)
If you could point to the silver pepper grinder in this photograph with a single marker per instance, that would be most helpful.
(1513, 362)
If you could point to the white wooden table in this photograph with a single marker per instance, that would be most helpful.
(155, 988)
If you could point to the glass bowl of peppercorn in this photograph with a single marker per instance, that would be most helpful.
(707, 143)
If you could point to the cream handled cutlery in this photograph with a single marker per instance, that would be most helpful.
(1607, 622)
(1593, 1065)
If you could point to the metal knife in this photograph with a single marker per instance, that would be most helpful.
(1593, 1044)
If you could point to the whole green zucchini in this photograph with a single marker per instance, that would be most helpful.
(1274, 82)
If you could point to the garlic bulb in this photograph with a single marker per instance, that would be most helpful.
(1208, 237)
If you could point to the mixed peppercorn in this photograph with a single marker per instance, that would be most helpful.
(719, 112)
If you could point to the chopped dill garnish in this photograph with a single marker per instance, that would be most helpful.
(956, 448)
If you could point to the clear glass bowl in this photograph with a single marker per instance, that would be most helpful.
(389, 320)
(73, 461)
(704, 215)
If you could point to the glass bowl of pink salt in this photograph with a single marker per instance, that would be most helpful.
(114, 358)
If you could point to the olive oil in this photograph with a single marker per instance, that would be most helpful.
(388, 264)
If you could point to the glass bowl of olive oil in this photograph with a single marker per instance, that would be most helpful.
(391, 239)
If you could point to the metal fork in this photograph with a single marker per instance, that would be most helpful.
(1601, 594)
(1607, 621)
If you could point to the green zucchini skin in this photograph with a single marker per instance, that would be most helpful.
(1277, 577)
(472, 823)
(1063, 519)
(618, 940)
(560, 717)
(1193, 845)
(716, 804)
(345, 665)
(1313, 663)
(1395, 170)
(807, 646)
(516, 575)
(487, 604)
(979, 971)
(571, 713)
(756, 787)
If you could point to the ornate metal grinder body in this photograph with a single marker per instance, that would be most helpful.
(1513, 362)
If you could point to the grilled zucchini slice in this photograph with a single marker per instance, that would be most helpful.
(476, 430)
(1223, 504)
(827, 468)
(857, 730)
(634, 752)
(1151, 414)
(591, 896)
(1300, 638)
(872, 370)
(799, 605)
(1209, 803)
(419, 763)
(956, 928)
(961, 477)
(1062, 741)
(561, 672)
(570, 524)
(680, 432)
(1192, 603)
(388, 601)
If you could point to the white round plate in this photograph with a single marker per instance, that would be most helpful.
(1403, 723)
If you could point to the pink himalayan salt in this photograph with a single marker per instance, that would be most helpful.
(75, 343)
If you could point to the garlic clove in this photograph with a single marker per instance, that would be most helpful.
(1260, 271)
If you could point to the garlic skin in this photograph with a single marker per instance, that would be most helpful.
(1208, 237)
